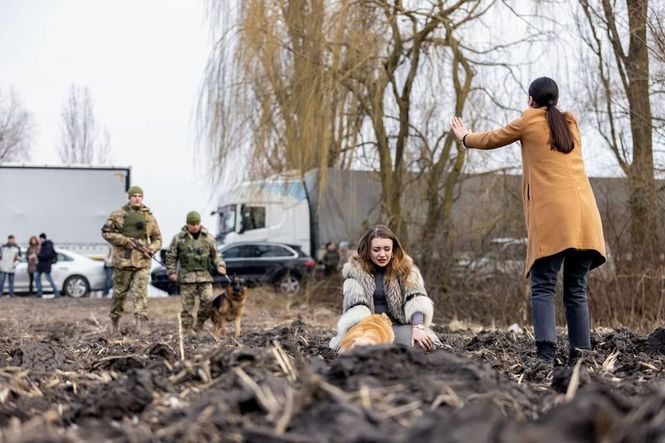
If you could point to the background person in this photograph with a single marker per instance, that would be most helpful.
(562, 219)
(45, 259)
(9, 256)
(31, 255)
(330, 259)
(381, 278)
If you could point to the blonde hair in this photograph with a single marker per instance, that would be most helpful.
(36, 243)
(398, 267)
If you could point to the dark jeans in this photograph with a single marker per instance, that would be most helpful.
(38, 282)
(544, 273)
(10, 282)
(31, 276)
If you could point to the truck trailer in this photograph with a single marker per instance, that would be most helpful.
(68, 203)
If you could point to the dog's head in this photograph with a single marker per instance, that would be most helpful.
(237, 289)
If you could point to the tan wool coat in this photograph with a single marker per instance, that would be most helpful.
(560, 209)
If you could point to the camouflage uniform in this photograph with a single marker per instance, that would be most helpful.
(196, 257)
(131, 268)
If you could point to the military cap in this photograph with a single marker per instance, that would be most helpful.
(135, 190)
(193, 218)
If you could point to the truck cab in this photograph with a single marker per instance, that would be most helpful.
(266, 210)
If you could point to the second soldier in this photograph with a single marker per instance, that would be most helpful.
(194, 249)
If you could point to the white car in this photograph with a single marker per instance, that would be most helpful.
(505, 257)
(73, 274)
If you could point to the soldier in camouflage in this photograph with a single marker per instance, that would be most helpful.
(135, 236)
(196, 252)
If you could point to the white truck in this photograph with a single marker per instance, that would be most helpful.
(308, 212)
(68, 203)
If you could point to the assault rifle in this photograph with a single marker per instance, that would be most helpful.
(147, 253)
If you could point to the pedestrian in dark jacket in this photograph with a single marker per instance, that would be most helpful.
(331, 259)
(45, 259)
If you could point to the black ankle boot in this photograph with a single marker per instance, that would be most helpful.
(545, 351)
(575, 354)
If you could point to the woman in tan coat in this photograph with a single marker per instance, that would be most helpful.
(562, 219)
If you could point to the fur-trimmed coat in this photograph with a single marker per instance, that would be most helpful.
(404, 298)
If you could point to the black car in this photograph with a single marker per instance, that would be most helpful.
(280, 265)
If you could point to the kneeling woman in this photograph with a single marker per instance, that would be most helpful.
(381, 278)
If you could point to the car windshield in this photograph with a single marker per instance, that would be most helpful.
(227, 219)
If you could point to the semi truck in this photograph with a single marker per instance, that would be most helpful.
(323, 206)
(68, 203)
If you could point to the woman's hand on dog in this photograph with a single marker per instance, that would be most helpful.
(419, 336)
(173, 277)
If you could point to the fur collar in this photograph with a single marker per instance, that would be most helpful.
(359, 288)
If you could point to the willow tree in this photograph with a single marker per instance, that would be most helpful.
(271, 98)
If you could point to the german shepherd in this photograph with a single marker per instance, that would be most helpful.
(228, 306)
(373, 330)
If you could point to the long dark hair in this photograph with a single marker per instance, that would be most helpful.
(545, 92)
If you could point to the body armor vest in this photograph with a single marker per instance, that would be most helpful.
(196, 255)
(134, 224)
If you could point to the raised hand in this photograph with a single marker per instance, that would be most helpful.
(458, 127)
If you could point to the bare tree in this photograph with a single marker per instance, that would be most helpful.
(620, 89)
(81, 140)
(15, 129)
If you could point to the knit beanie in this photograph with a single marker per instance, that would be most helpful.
(135, 190)
(193, 218)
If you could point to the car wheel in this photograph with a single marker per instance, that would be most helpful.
(288, 284)
(76, 286)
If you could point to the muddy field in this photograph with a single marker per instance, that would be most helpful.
(64, 379)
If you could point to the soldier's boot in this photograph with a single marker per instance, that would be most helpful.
(115, 326)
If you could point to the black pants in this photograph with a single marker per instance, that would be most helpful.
(31, 275)
(544, 273)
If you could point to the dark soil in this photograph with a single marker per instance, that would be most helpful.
(64, 379)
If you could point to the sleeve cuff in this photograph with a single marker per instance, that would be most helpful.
(418, 318)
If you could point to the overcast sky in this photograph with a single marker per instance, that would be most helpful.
(143, 62)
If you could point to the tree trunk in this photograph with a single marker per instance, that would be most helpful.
(642, 183)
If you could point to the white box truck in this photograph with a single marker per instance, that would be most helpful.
(69, 203)
(308, 211)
